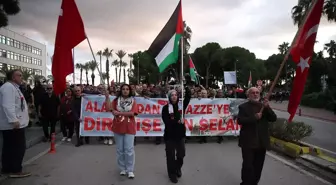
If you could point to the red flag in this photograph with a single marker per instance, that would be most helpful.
(70, 32)
(302, 51)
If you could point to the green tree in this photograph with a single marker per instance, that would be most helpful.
(8, 7)
(204, 57)
(283, 48)
(331, 50)
(120, 54)
(80, 67)
(92, 66)
(124, 65)
(148, 70)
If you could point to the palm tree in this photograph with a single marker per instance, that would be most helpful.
(186, 37)
(331, 49)
(131, 59)
(300, 10)
(124, 65)
(120, 54)
(86, 69)
(107, 53)
(283, 48)
(116, 63)
(329, 10)
(92, 66)
(100, 54)
(80, 67)
(104, 76)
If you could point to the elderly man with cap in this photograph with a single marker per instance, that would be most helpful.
(254, 117)
(175, 133)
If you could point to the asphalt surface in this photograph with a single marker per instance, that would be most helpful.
(207, 164)
(323, 131)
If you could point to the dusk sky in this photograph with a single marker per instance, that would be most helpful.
(131, 25)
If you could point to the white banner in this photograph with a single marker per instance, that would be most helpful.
(202, 117)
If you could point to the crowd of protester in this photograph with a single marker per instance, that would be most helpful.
(46, 109)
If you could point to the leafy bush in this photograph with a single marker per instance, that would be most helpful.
(315, 100)
(293, 131)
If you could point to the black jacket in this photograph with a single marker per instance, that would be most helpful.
(174, 130)
(254, 133)
(76, 107)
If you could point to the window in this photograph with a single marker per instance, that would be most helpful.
(16, 56)
(3, 39)
(29, 48)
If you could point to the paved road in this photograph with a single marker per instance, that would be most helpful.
(323, 134)
(209, 164)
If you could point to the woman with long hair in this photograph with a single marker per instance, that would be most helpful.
(124, 110)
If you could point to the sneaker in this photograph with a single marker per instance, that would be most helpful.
(131, 175)
(69, 140)
(63, 139)
(123, 173)
(105, 141)
(20, 175)
(110, 142)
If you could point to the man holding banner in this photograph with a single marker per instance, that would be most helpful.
(175, 133)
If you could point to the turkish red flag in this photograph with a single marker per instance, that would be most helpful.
(302, 53)
(70, 32)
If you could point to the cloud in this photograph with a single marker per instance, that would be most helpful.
(131, 25)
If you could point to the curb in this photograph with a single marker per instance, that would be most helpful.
(320, 162)
(306, 115)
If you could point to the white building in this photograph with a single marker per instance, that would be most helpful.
(20, 52)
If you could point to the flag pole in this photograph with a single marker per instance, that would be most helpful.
(94, 58)
(288, 53)
(73, 57)
(182, 93)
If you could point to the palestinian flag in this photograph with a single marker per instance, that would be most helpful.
(165, 47)
(249, 83)
(192, 71)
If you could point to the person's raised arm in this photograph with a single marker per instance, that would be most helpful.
(187, 98)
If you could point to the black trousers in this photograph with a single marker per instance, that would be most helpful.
(253, 163)
(67, 128)
(13, 150)
(78, 137)
(175, 152)
(46, 122)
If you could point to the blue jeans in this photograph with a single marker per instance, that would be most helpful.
(125, 151)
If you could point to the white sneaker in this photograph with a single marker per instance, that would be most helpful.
(69, 140)
(110, 142)
(64, 138)
(123, 173)
(131, 175)
(105, 141)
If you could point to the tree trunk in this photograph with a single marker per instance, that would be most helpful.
(87, 78)
(116, 73)
(124, 75)
(120, 71)
(81, 77)
(108, 78)
(92, 78)
(207, 77)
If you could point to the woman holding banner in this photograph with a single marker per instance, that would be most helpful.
(175, 133)
(124, 110)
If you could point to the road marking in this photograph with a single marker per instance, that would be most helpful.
(33, 159)
(299, 169)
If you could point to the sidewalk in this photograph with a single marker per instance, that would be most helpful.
(34, 135)
(307, 111)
